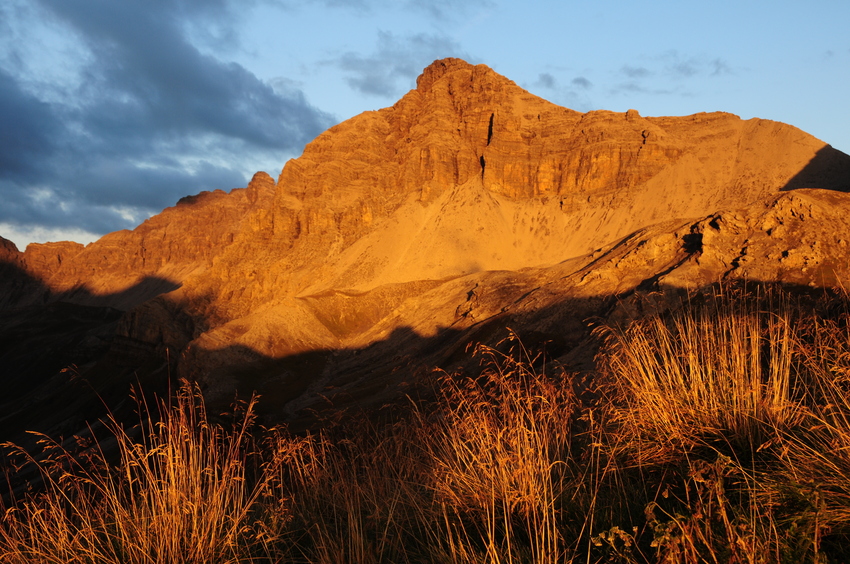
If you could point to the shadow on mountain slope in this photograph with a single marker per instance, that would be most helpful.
(18, 286)
(143, 290)
(43, 331)
(829, 170)
(20, 289)
(48, 339)
(306, 389)
(65, 365)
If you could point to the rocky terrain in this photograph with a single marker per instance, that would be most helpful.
(402, 236)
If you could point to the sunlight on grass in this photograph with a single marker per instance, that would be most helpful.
(721, 368)
(179, 493)
(716, 430)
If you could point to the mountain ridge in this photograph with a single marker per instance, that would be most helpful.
(468, 206)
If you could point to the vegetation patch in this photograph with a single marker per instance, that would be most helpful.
(716, 430)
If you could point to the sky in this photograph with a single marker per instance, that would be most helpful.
(111, 110)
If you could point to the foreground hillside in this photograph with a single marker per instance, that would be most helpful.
(714, 429)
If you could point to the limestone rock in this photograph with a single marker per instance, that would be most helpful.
(8, 251)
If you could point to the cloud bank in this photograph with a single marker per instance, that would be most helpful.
(119, 114)
(667, 74)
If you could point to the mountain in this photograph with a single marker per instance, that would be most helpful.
(404, 235)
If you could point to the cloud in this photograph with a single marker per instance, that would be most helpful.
(29, 129)
(635, 72)
(147, 75)
(681, 68)
(572, 94)
(720, 67)
(666, 74)
(673, 65)
(357, 6)
(633, 87)
(684, 69)
(144, 119)
(23, 235)
(443, 10)
(396, 62)
(581, 82)
(546, 80)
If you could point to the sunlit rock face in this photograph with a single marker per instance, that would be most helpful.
(470, 173)
(471, 205)
(125, 268)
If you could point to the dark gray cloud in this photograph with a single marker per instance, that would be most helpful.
(546, 80)
(29, 130)
(667, 74)
(147, 75)
(396, 62)
(635, 72)
(581, 82)
(150, 119)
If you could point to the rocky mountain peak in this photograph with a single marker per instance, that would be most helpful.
(408, 232)
(439, 69)
(261, 187)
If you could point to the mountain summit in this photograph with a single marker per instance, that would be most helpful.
(402, 235)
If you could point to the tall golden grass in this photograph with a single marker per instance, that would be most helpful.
(714, 431)
(743, 395)
(504, 462)
(178, 493)
(721, 368)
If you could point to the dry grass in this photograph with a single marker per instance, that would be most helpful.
(503, 465)
(178, 494)
(719, 432)
(743, 396)
(720, 369)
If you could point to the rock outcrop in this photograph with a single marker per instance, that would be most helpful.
(402, 235)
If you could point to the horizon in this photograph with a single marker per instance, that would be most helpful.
(119, 126)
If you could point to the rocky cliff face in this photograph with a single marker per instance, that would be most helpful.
(401, 235)
(125, 268)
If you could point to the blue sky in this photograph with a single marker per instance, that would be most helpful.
(111, 110)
